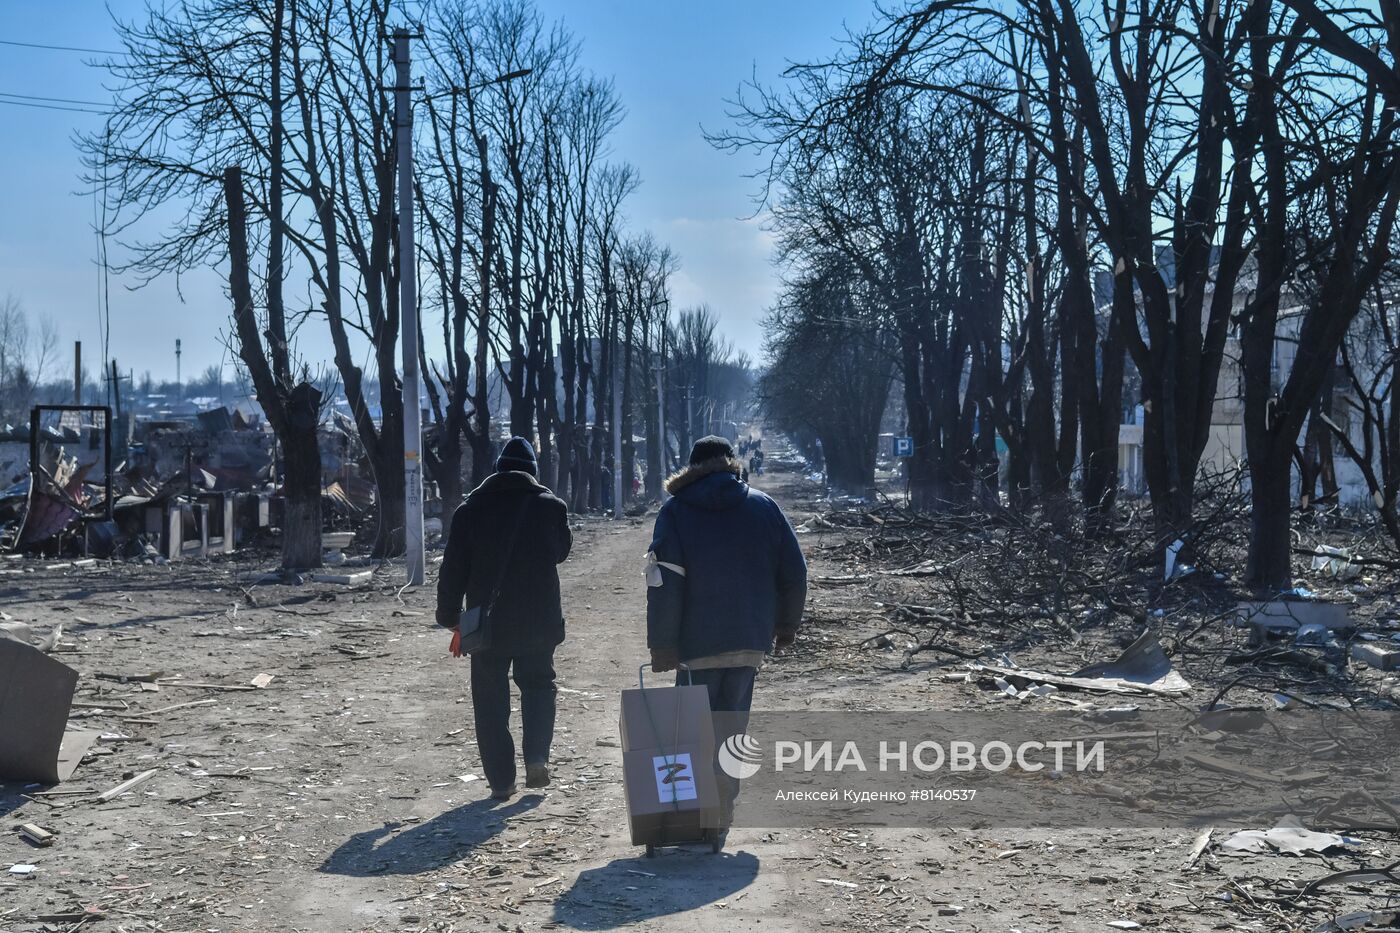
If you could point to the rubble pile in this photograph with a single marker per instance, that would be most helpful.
(161, 487)
(1020, 613)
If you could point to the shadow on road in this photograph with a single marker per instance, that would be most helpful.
(632, 890)
(10, 797)
(391, 850)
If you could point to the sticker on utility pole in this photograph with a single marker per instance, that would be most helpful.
(675, 779)
(904, 447)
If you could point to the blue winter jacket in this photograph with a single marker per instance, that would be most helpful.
(745, 579)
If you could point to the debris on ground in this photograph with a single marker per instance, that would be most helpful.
(1286, 838)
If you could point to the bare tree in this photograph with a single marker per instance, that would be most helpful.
(191, 111)
(1329, 192)
(828, 376)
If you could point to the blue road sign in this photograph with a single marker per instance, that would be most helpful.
(904, 447)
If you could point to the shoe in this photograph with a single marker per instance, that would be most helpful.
(503, 793)
(536, 775)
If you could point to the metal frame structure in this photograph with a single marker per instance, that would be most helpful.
(36, 413)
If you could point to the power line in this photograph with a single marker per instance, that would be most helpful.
(21, 103)
(59, 48)
(60, 100)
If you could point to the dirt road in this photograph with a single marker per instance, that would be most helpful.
(343, 796)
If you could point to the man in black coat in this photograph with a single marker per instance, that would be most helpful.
(512, 574)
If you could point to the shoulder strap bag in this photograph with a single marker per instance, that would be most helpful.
(473, 625)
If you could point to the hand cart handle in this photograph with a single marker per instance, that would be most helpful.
(642, 668)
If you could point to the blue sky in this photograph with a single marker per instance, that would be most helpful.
(674, 64)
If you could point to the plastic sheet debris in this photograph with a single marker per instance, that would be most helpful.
(1361, 920)
(1143, 667)
(1314, 635)
(1144, 664)
(1287, 838)
(1335, 562)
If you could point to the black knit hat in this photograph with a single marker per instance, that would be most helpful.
(708, 448)
(519, 456)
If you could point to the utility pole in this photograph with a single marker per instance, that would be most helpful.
(617, 432)
(408, 305)
(116, 391)
(661, 428)
(77, 372)
(689, 416)
(179, 382)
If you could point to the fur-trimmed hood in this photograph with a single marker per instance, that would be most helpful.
(696, 471)
(712, 485)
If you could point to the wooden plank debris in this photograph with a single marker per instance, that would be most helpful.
(1245, 772)
(152, 677)
(348, 579)
(1199, 847)
(127, 785)
(171, 708)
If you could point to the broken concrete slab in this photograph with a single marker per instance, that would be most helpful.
(1379, 656)
(1286, 614)
(337, 540)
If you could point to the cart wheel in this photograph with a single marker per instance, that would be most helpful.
(651, 850)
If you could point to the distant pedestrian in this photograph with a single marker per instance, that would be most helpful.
(605, 477)
(729, 582)
(502, 554)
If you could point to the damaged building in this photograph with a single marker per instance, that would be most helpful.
(78, 480)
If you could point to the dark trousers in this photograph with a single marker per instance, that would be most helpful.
(731, 688)
(731, 692)
(491, 675)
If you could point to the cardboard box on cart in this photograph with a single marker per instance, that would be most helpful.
(668, 755)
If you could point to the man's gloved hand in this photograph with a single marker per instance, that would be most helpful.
(664, 659)
(785, 639)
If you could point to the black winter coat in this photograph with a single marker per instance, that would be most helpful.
(745, 577)
(527, 616)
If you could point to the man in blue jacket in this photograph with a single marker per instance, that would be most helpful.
(726, 580)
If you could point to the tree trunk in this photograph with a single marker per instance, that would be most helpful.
(449, 471)
(629, 448)
(1100, 425)
(301, 481)
(654, 428)
(293, 417)
(1270, 542)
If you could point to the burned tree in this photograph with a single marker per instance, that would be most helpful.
(192, 119)
(828, 377)
(294, 412)
(1328, 196)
